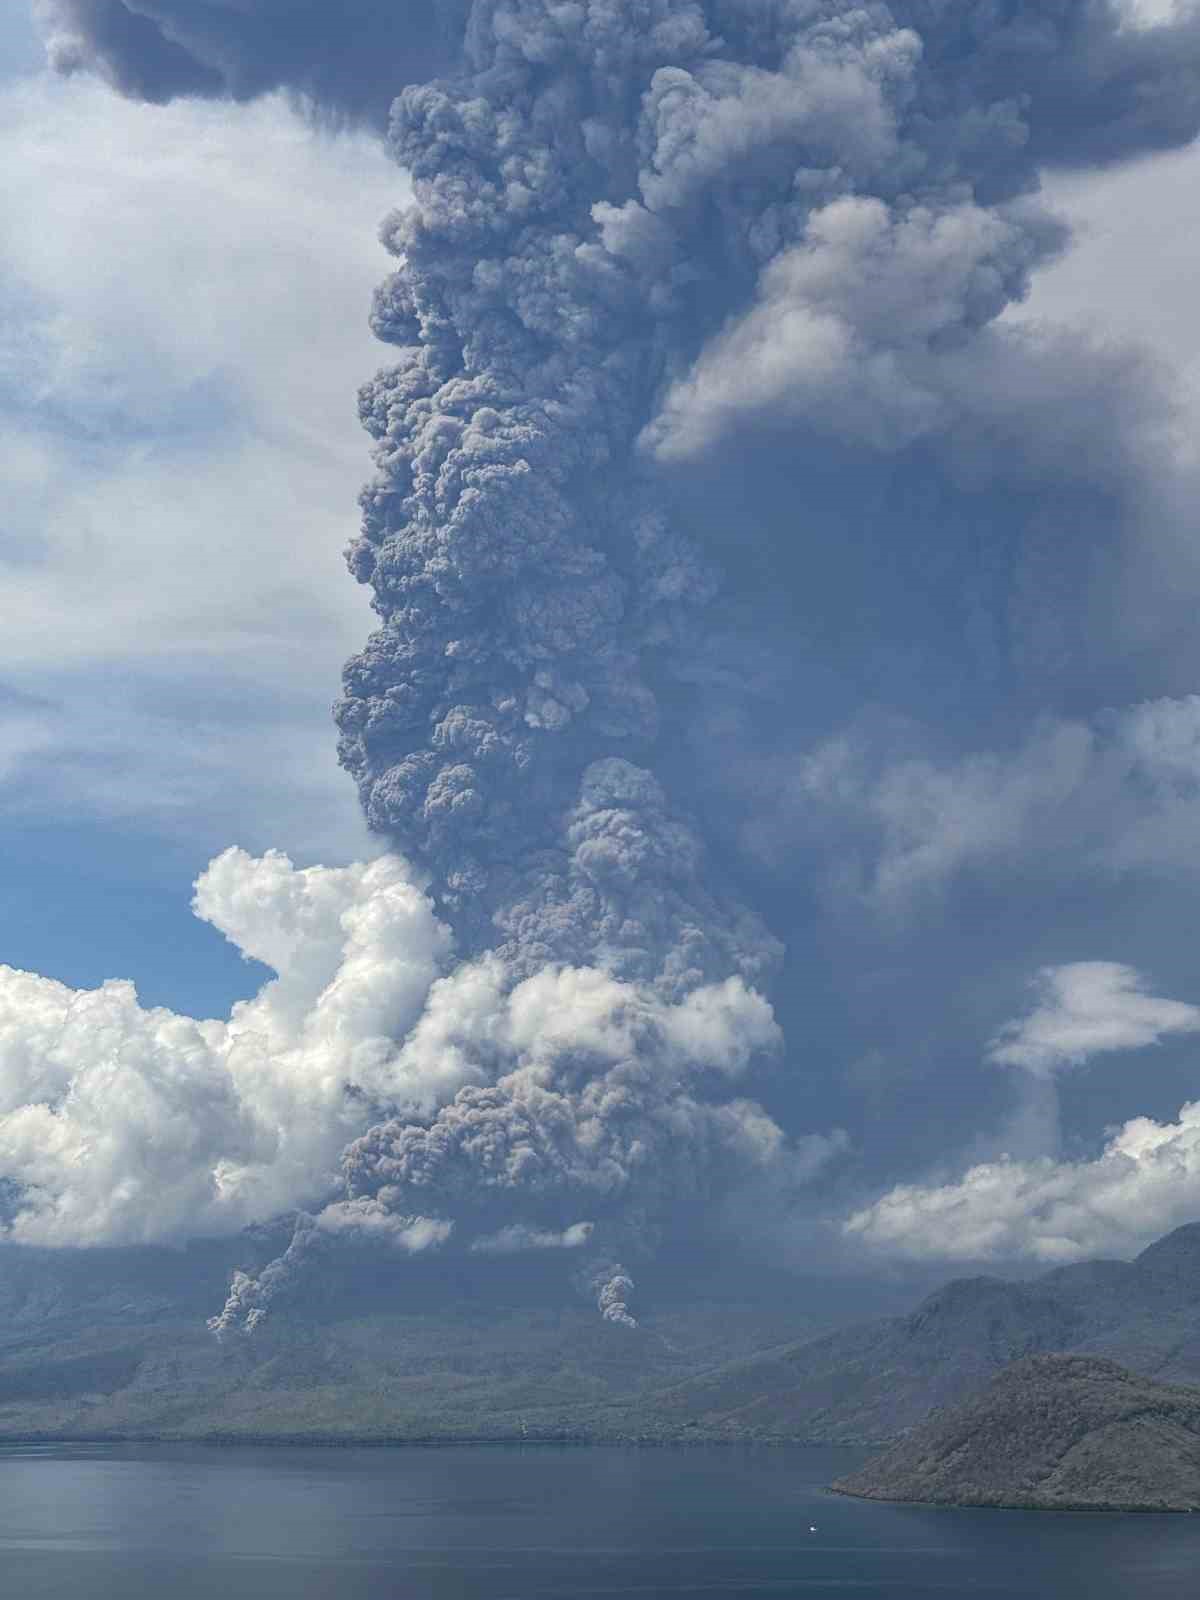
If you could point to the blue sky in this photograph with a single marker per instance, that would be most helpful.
(184, 327)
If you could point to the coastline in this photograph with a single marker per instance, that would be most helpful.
(1042, 1507)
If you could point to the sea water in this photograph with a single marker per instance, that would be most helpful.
(520, 1522)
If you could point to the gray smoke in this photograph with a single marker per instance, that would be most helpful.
(607, 198)
(597, 194)
(612, 1297)
(345, 59)
(1064, 81)
(632, 221)
(252, 1295)
(604, 1281)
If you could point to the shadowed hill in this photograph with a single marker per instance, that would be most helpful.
(114, 1342)
(1052, 1432)
(874, 1381)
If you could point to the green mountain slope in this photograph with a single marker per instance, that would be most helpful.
(114, 1343)
(872, 1382)
(1055, 1433)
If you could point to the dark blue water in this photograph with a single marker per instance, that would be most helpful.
(165, 1523)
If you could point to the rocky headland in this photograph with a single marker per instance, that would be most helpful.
(1052, 1432)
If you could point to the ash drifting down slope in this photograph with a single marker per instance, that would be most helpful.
(618, 205)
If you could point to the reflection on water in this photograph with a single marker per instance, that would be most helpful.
(508, 1523)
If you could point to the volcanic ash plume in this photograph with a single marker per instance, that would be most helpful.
(124, 1124)
(340, 57)
(628, 219)
(637, 226)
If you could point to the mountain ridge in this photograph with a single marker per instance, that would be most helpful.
(115, 1345)
(1050, 1432)
(873, 1381)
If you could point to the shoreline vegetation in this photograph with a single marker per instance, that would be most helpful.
(1050, 1433)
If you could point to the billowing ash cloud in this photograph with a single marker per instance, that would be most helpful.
(593, 1088)
(563, 290)
(124, 1124)
(635, 227)
(1069, 80)
(345, 57)
(640, 228)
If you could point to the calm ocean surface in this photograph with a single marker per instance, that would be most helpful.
(513, 1524)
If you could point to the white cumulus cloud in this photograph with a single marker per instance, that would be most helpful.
(122, 1124)
(1144, 1181)
(519, 1236)
(1087, 1008)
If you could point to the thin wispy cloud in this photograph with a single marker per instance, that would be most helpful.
(181, 443)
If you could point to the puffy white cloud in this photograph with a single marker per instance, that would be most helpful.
(520, 1236)
(1145, 1181)
(575, 1083)
(370, 1219)
(718, 1026)
(1087, 1008)
(122, 1124)
(515, 1097)
(568, 1022)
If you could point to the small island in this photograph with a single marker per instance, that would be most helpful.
(1052, 1432)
